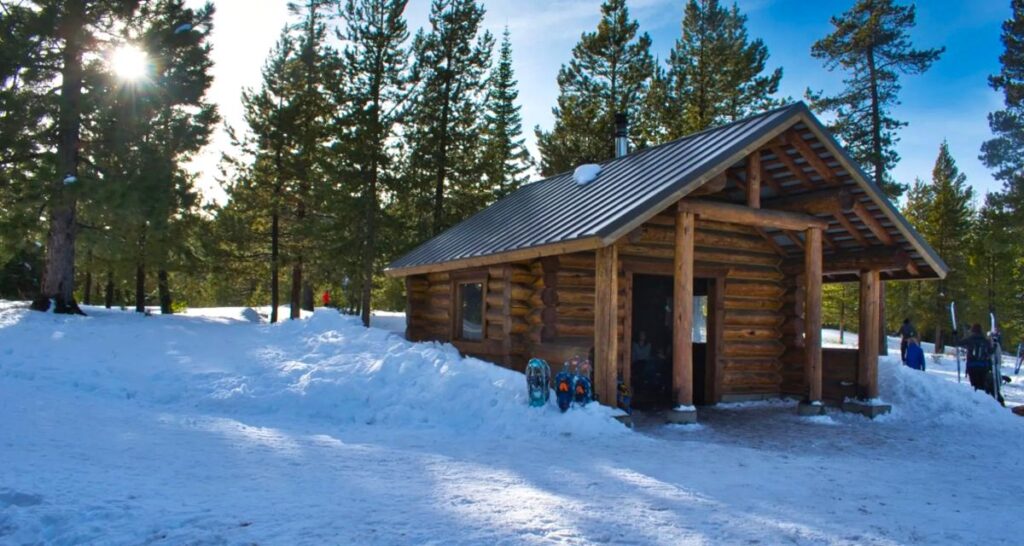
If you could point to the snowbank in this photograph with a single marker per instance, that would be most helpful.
(327, 367)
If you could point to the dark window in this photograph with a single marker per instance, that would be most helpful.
(471, 311)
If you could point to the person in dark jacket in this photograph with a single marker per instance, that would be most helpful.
(915, 355)
(907, 331)
(979, 359)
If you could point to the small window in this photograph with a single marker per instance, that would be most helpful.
(700, 319)
(470, 322)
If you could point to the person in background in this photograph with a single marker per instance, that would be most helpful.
(914, 355)
(979, 360)
(326, 298)
(641, 350)
(907, 332)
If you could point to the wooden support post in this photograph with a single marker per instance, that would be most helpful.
(627, 332)
(682, 310)
(754, 180)
(506, 326)
(867, 353)
(812, 314)
(606, 310)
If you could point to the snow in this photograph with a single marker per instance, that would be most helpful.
(209, 428)
(586, 173)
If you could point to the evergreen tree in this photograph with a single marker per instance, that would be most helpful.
(716, 73)
(444, 129)
(506, 159)
(610, 72)
(377, 91)
(871, 44)
(51, 42)
(941, 211)
(1003, 153)
(996, 263)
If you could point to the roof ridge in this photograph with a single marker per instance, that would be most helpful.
(795, 105)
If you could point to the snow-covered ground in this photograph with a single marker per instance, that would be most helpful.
(210, 428)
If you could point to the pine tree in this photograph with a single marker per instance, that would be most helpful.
(716, 73)
(1003, 153)
(941, 211)
(871, 44)
(443, 132)
(62, 35)
(610, 73)
(376, 87)
(506, 159)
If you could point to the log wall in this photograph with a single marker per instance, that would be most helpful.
(550, 307)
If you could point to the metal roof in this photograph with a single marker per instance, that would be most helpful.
(631, 189)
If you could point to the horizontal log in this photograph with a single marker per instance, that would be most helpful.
(440, 288)
(756, 290)
(727, 212)
(754, 318)
(753, 349)
(828, 201)
(754, 273)
(440, 277)
(751, 365)
(714, 256)
(734, 380)
(883, 258)
(734, 333)
(579, 260)
(576, 328)
(752, 304)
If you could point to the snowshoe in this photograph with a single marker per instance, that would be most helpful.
(625, 398)
(538, 378)
(564, 389)
(583, 389)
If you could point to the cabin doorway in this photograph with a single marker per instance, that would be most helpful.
(651, 343)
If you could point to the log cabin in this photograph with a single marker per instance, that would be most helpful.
(712, 249)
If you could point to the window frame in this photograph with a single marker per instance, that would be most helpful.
(457, 281)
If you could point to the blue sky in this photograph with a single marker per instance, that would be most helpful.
(949, 102)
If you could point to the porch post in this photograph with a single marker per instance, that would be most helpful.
(867, 336)
(812, 314)
(606, 309)
(682, 311)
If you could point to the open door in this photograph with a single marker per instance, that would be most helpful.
(651, 341)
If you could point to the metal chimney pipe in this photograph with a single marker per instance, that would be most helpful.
(621, 134)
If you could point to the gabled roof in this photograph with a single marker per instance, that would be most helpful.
(556, 215)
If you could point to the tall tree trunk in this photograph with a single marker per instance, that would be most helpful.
(442, 164)
(140, 288)
(307, 296)
(58, 282)
(165, 292)
(369, 249)
(108, 295)
(296, 292)
(87, 291)
(275, 265)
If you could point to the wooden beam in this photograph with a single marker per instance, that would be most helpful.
(812, 314)
(867, 352)
(881, 258)
(739, 214)
(682, 310)
(852, 229)
(796, 240)
(714, 185)
(873, 224)
(521, 255)
(506, 325)
(606, 339)
(627, 330)
(828, 201)
(754, 180)
(811, 157)
(771, 242)
(790, 164)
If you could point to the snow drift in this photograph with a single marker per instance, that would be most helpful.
(327, 367)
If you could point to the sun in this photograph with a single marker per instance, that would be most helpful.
(129, 62)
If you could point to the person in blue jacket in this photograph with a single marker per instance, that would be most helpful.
(915, 355)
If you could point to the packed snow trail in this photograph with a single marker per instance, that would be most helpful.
(122, 429)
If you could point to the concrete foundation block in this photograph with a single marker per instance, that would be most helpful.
(810, 409)
(867, 408)
(682, 416)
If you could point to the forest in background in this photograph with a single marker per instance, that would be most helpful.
(365, 138)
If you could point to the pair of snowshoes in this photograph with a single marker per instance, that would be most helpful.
(538, 379)
(573, 385)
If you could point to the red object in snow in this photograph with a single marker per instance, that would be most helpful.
(326, 297)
